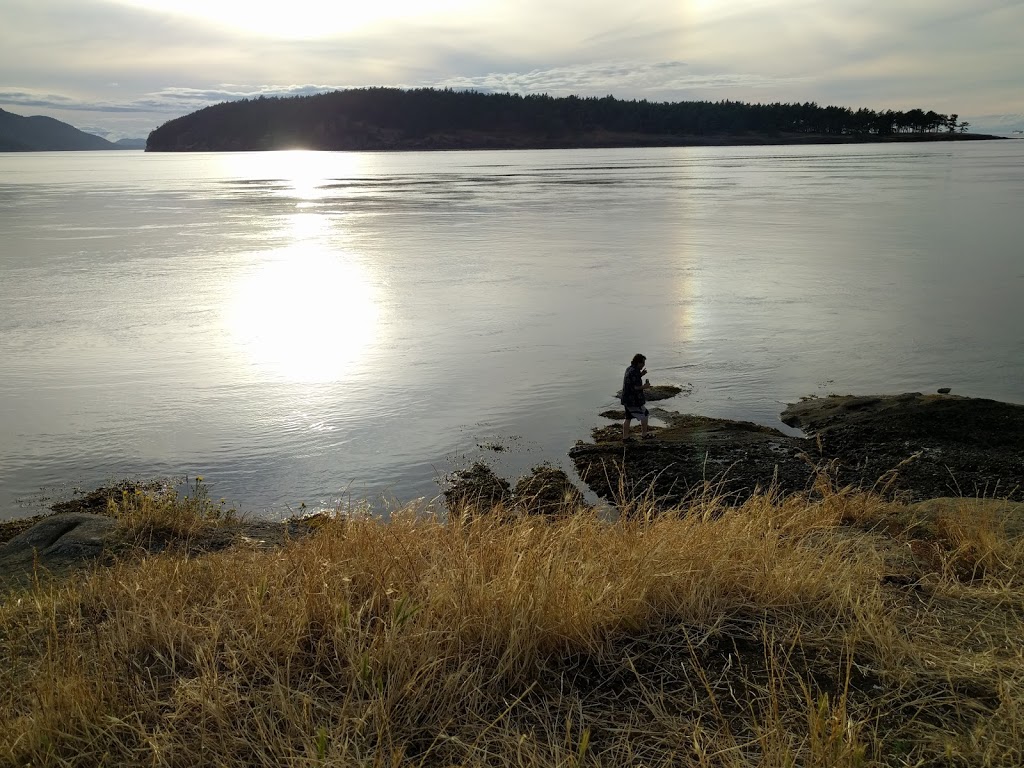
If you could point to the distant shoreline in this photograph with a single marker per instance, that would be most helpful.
(480, 142)
(364, 119)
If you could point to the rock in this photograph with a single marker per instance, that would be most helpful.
(910, 446)
(693, 454)
(477, 487)
(547, 490)
(96, 501)
(56, 543)
(61, 542)
(944, 390)
(658, 392)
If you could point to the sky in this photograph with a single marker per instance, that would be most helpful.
(120, 68)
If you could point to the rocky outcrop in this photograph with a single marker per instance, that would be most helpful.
(547, 490)
(924, 446)
(56, 543)
(910, 446)
(658, 392)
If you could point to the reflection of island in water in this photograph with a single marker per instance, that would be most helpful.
(425, 119)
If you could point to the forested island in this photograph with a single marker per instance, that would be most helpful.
(427, 118)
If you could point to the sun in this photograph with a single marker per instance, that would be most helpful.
(299, 19)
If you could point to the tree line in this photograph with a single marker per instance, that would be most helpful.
(391, 117)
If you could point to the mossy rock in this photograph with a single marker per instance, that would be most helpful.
(476, 486)
(547, 490)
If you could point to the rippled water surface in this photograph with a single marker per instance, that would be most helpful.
(315, 327)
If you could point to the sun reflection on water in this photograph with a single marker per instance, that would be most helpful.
(306, 315)
(310, 309)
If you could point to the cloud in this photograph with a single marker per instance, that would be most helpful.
(174, 100)
(26, 98)
(179, 99)
(664, 80)
(996, 123)
(64, 56)
(136, 117)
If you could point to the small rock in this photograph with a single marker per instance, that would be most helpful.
(944, 390)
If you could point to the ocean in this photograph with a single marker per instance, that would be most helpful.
(326, 329)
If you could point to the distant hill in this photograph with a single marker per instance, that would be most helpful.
(40, 134)
(391, 118)
(130, 144)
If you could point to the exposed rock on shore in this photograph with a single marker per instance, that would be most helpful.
(56, 542)
(947, 445)
(913, 446)
(547, 490)
(658, 392)
(87, 529)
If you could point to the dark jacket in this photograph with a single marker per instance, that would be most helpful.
(632, 387)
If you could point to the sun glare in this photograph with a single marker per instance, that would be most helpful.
(306, 315)
(299, 19)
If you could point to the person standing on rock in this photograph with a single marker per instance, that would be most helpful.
(633, 398)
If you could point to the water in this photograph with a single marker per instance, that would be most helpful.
(316, 327)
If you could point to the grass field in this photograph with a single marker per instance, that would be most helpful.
(828, 629)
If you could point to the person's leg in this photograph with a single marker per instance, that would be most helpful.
(643, 426)
(625, 427)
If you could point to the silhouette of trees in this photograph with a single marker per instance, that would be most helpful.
(390, 118)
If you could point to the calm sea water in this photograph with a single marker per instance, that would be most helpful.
(324, 327)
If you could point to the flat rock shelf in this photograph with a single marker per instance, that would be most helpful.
(909, 446)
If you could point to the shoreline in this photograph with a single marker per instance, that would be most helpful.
(832, 626)
(480, 143)
(908, 447)
(851, 629)
(915, 447)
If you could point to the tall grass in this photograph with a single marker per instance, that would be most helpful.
(764, 635)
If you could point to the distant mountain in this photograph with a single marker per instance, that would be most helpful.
(130, 144)
(44, 134)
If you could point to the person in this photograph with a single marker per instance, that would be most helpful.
(633, 398)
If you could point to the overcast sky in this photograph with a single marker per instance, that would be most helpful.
(122, 67)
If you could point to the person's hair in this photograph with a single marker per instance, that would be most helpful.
(638, 360)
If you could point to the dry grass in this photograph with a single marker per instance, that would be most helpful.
(776, 634)
(145, 513)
